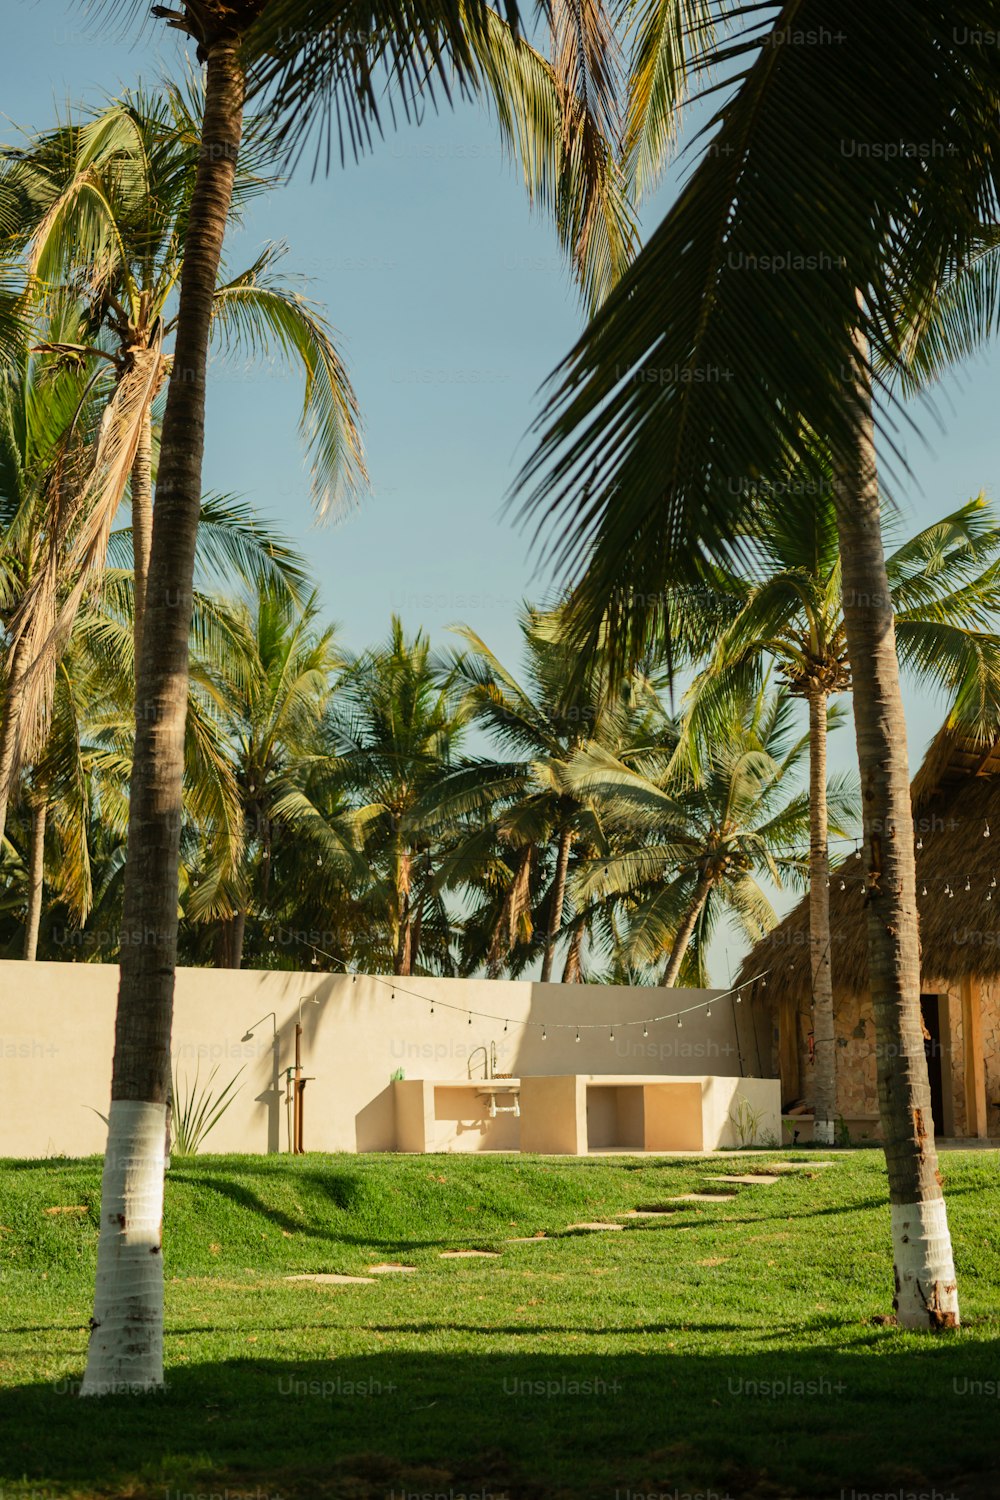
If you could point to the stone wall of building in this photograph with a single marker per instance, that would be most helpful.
(857, 1089)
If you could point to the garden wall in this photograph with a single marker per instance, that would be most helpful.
(57, 1040)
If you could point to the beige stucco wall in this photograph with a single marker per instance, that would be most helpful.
(57, 1038)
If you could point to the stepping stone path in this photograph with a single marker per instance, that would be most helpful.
(470, 1254)
(751, 1179)
(390, 1268)
(594, 1226)
(527, 1239)
(329, 1279)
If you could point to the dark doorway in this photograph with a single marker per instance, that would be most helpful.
(930, 1010)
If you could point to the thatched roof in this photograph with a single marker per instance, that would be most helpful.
(956, 799)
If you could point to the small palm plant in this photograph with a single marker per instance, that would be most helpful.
(197, 1108)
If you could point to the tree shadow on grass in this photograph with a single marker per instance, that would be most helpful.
(524, 1426)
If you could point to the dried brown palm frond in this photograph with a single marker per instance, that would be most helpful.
(514, 922)
(86, 488)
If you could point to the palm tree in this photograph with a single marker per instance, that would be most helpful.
(99, 210)
(552, 116)
(395, 729)
(769, 308)
(945, 589)
(529, 807)
(270, 692)
(698, 825)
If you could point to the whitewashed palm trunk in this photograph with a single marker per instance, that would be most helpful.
(126, 1341)
(926, 1292)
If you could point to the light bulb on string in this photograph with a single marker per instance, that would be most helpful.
(708, 1012)
(470, 1017)
(611, 1033)
(739, 993)
(645, 1029)
(680, 1022)
(545, 1036)
(968, 883)
(578, 1033)
(923, 890)
(986, 831)
(920, 843)
(843, 885)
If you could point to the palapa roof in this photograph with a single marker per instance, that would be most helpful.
(956, 816)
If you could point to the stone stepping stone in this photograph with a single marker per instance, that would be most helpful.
(750, 1179)
(390, 1268)
(527, 1239)
(594, 1226)
(325, 1278)
(704, 1198)
(470, 1254)
(646, 1213)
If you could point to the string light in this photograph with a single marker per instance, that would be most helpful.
(843, 885)
(680, 1023)
(923, 890)
(968, 883)
(920, 843)
(611, 1033)
(734, 993)
(986, 831)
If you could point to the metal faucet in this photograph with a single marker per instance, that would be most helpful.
(493, 1059)
(486, 1062)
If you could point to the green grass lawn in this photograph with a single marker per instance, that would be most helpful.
(728, 1349)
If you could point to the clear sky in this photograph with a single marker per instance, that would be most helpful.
(452, 305)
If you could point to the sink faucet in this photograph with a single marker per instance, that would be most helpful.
(493, 1059)
(486, 1061)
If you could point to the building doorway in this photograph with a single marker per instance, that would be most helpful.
(930, 1010)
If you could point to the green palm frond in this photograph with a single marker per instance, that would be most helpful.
(261, 313)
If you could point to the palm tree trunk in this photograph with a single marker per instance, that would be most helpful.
(824, 1033)
(141, 487)
(685, 930)
(8, 729)
(126, 1341)
(557, 903)
(229, 941)
(926, 1293)
(572, 972)
(36, 876)
(404, 947)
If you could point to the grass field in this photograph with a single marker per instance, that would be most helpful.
(723, 1349)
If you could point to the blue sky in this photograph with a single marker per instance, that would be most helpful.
(452, 305)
